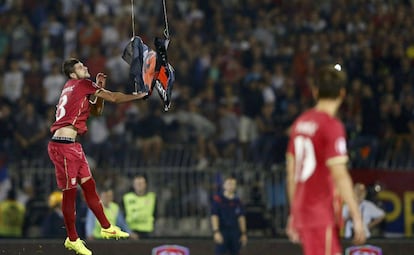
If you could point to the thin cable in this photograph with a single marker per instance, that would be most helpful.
(133, 18)
(133, 36)
(166, 30)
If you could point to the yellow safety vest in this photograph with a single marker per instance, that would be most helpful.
(11, 218)
(139, 211)
(111, 213)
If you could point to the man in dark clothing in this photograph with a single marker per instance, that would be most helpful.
(228, 220)
(53, 224)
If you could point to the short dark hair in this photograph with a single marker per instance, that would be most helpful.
(329, 81)
(142, 175)
(104, 188)
(229, 177)
(68, 66)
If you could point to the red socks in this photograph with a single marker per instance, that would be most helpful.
(94, 203)
(69, 207)
(69, 213)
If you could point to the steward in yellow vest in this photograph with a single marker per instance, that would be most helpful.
(11, 216)
(140, 208)
(112, 212)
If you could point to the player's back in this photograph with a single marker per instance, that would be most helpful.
(317, 139)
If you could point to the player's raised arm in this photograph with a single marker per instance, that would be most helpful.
(118, 97)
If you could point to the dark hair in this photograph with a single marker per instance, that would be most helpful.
(229, 177)
(104, 188)
(12, 194)
(329, 81)
(142, 175)
(68, 66)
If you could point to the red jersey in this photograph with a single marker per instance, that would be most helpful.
(73, 107)
(316, 141)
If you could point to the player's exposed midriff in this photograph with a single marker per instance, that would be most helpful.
(68, 131)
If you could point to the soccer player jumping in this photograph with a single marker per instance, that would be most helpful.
(80, 96)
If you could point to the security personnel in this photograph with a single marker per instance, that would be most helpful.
(11, 216)
(140, 208)
(112, 212)
(228, 220)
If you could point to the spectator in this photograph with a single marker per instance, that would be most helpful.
(52, 86)
(110, 34)
(70, 37)
(118, 69)
(148, 132)
(251, 103)
(264, 146)
(26, 62)
(33, 82)
(96, 61)
(199, 130)
(36, 209)
(29, 132)
(49, 60)
(140, 208)
(5, 182)
(90, 35)
(20, 35)
(13, 81)
(55, 31)
(53, 224)
(112, 211)
(6, 135)
(98, 147)
(227, 137)
(372, 215)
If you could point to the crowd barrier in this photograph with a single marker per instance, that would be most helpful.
(183, 195)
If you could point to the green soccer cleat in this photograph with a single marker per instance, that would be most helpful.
(78, 246)
(113, 232)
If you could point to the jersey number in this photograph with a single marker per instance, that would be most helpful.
(61, 111)
(305, 158)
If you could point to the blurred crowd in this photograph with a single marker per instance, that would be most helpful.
(243, 73)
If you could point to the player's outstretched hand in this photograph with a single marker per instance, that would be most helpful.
(140, 95)
(101, 80)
